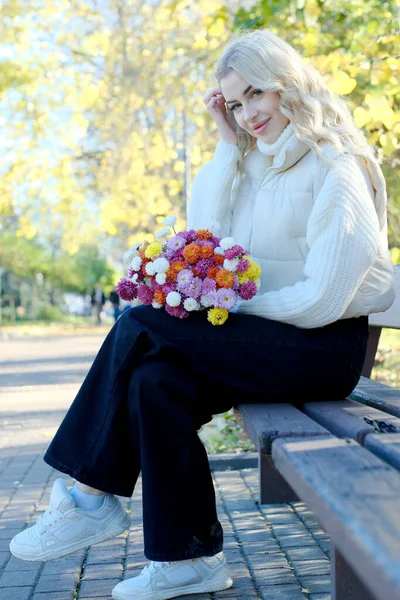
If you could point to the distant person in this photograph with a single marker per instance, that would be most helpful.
(98, 300)
(115, 301)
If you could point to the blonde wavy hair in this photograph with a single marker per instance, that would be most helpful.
(272, 64)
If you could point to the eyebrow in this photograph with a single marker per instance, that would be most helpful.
(244, 93)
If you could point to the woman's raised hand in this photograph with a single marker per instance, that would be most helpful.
(216, 106)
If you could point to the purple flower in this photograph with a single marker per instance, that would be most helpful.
(226, 298)
(127, 290)
(176, 311)
(215, 240)
(184, 277)
(145, 294)
(192, 288)
(208, 286)
(209, 299)
(175, 243)
(233, 252)
(248, 290)
(189, 235)
(167, 288)
(243, 265)
(203, 265)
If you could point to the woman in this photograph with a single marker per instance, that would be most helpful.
(295, 182)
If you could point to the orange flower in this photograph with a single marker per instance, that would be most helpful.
(204, 234)
(212, 273)
(174, 269)
(225, 278)
(143, 266)
(159, 297)
(206, 251)
(218, 259)
(191, 253)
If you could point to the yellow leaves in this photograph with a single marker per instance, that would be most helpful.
(361, 116)
(26, 228)
(341, 83)
(217, 28)
(380, 109)
(179, 166)
(389, 143)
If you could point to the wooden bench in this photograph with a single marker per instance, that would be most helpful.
(338, 459)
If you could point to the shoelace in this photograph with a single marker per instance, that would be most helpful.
(48, 518)
(153, 567)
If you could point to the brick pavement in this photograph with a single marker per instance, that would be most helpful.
(274, 552)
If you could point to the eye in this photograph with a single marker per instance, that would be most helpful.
(235, 107)
(256, 93)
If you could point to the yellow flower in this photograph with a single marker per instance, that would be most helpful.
(153, 250)
(252, 273)
(217, 316)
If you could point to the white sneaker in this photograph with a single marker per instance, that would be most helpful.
(64, 528)
(163, 580)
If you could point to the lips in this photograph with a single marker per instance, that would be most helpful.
(261, 124)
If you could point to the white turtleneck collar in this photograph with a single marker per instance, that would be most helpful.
(276, 147)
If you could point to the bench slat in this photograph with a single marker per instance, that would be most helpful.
(345, 418)
(264, 423)
(355, 497)
(378, 395)
(386, 446)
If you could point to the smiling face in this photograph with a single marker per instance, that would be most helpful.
(255, 110)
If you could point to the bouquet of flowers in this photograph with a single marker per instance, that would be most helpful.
(190, 271)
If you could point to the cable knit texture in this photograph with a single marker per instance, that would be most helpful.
(319, 232)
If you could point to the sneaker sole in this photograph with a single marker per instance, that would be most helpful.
(210, 586)
(54, 554)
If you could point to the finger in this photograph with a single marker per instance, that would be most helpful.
(214, 92)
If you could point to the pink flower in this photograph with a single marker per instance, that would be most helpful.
(145, 294)
(203, 265)
(234, 252)
(189, 235)
(208, 286)
(192, 288)
(248, 290)
(243, 265)
(127, 290)
(176, 311)
(226, 298)
(175, 243)
(167, 288)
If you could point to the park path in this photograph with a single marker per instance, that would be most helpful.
(274, 552)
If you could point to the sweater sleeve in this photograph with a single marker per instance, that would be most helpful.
(342, 237)
(209, 205)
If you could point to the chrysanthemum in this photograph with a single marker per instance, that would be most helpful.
(190, 304)
(176, 311)
(203, 265)
(170, 221)
(248, 290)
(208, 300)
(206, 251)
(153, 250)
(185, 276)
(243, 265)
(225, 278)
(161, 233)
(161, 278)
(227, 243)
(175, 243)
(127, 290)
(145, 294)
(217, 316)
(136, 263)
(150, 270)
(225, 298)
(208, 285)
(159, 297)
(203, 234)
(161, 265)
(234, 252)
(191, 253)
(174, 299)
(231, 265)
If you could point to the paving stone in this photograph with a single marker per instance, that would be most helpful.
(296, 540)
(306, 553)
(18, 593)
(96, 572)
(320, 597)
(282, 592)
(268, 577)
(317, 584)
(94, 589)
(303, 568)
(15, 564)
(17, 578)
(264, 560)
(55, 596)
(52, 583)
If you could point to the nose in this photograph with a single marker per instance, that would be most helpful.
(249, 112)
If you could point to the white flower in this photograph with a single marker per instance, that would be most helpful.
(136, 263)
(231, 265)
(150, 270)
(133, 251)
(161, 278)
(190, 304)
(227, 243)
(161, 265)
(134, 277)
(206, 300)
(174, 299)
(161, 233)
(218, 250)
(156, 304)
(170, 221)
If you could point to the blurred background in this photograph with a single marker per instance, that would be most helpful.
(103, 129)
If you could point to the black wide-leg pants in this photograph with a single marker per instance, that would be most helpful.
(157, 379)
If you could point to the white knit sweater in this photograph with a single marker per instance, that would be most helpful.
(339, 266)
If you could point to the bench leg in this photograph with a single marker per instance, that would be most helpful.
(345, 584)
(373, 342)
(273, 487)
